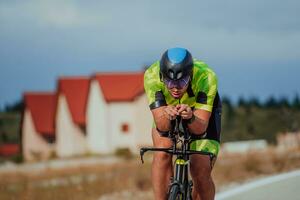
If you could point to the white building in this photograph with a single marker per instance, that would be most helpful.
(244, 146)
(38, 135)
(118, 115)
(70, 121)
(288, 141)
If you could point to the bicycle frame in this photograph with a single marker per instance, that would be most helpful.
(182, 153)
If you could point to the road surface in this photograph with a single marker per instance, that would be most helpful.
(284, 186)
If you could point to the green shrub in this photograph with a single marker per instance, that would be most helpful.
(124, 153)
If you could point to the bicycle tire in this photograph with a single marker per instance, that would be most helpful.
(175, 193)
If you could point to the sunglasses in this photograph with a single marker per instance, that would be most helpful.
(179, 84)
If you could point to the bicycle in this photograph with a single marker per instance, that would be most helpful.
(180, 187)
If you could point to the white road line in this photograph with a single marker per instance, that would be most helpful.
(256, 184)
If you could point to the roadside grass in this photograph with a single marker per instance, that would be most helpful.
(76, 183)
(131, 177)
(238, 168)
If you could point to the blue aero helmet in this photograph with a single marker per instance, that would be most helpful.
(176, 65)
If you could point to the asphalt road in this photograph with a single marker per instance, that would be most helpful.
(284, 186)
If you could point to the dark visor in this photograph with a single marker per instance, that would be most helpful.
(179, 84)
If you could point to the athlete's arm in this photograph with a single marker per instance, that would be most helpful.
(198, 118)
(163, 115)
(204, 104)
(199, 122)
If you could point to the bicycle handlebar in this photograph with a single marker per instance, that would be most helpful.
(172, 151)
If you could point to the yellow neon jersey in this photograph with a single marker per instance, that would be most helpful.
(199, 95)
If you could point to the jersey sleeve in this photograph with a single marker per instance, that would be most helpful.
(205, 97)
(153, 89)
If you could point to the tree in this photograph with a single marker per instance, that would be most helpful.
(15, 107)
(271, 103)
(226, 101)
(283, 102)
(254, 102)
(296, 102)
(242, 102)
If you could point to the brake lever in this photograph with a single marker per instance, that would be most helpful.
(142, 152)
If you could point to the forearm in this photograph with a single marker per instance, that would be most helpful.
(162, 123)
(161, 119)
(198, 126)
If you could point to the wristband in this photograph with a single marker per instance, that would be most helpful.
(189, 121)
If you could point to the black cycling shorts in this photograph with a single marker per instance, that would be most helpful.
(213, 130)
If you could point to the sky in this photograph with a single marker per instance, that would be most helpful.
(253, 46)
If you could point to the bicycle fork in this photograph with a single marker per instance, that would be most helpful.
(181, 178)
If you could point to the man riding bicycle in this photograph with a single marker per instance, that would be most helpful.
(179, 85)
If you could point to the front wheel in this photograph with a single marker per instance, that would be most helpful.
(189, 190)
(175, 193)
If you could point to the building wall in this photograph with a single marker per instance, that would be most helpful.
(34, 146)
(97, 118)
(144, 118)
(288, 141)
(70, 138)
(137, 116)
(122, 114)
(244, 146)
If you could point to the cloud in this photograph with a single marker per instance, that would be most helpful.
(54, 13)
(233, 15)
(51, 37)
(223, 30)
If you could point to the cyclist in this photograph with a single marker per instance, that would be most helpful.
(179, 85)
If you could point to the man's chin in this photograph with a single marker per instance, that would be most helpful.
(176, 96)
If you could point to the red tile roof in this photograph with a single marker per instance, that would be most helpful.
(121, 86)
(76, 91)
(42, 108)
(9, 149)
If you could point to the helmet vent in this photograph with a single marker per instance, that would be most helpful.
(171, 74)
(179, 75)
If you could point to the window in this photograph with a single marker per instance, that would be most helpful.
(125, 128)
